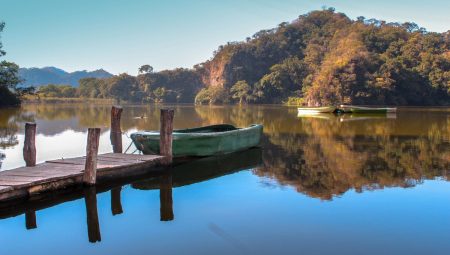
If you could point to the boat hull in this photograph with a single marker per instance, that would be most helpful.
(201, 141)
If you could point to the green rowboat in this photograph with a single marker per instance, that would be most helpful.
(202, 141)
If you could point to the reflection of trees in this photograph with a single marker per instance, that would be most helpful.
(326, 157)
(9, 119)
(328, 160)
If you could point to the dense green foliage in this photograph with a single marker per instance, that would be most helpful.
(179, 85)
(53, 90)
(325, 58)
(321, 58)
(9, 79)
(212, 95)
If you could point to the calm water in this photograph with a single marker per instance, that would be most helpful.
(322, 185)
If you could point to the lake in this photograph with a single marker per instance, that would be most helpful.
(321, 184)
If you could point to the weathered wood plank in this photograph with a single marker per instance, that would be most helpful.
(90, 169)
(130, 156)
(116, 132)
(56, 174)
(29, 145)
(100, 160)
(165, 134)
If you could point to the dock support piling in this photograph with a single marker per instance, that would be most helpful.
(29, 147)
(165, 142)
(90, 170)
(116, 132)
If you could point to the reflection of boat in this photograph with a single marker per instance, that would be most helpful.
(207, 168)
(316, 110)
(325, 116)
(202, 141)
(361, 109)
(368, 116)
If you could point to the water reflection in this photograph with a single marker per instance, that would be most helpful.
(330, 157)
(321, 156)
(183, 174)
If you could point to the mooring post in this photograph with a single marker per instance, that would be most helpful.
(165, 197)
(116, 203)
(29, 147)
(165, 142)
(90, 169)
(30, 220)
(116, 132)
(90, 199)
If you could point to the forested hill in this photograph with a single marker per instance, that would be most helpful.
(321, 58)
(52, 75)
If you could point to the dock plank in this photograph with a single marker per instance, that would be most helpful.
(50, 173)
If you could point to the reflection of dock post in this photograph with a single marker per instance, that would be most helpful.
(165, 137)
(116, 132)
(90, 170)
(90, 199)
(30, 220)
(29, 146)
(165, 197)
(116, 204)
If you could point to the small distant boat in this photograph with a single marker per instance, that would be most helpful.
(202, 141)
(316, 110)
(361, 109)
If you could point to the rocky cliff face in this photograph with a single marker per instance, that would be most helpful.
(237, 61)
(213, 71)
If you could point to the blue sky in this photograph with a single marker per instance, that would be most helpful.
(122, 35)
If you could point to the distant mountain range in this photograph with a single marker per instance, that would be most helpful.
(52, 75)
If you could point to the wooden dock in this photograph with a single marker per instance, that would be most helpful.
(57, 174)
(86, 170)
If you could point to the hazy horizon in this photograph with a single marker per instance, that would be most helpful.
(121, 36)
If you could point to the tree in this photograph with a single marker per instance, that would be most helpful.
(241, 90)
(212, 95)
(145, 69)
(9, 79)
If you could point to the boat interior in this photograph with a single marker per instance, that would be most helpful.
(208, 129)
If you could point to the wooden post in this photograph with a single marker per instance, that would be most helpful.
(90, 199)
(116, 204)
(30, 220)
(165, 142)
(165, 197)
(90, 170)
(116, 132)
(29, 147)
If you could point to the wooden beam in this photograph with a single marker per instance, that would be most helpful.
(90, 170)
(165, 142)
(116, 131)
(29, 146)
